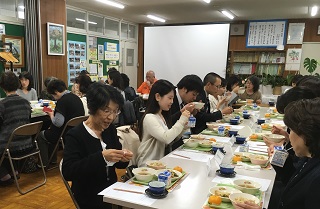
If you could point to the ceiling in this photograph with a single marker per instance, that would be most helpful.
(197, 11)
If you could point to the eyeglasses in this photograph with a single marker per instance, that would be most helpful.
(109, 112)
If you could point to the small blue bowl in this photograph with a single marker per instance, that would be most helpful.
(226, 169)
(234, 121)
(214, 149)
(237, 117)
(261, 120)
(246, 115)
(240, 139)
(157, 187)
(245, 111)
(232, 133)
(271, 103)
(45, 104)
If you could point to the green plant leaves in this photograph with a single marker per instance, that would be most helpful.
(310, 65)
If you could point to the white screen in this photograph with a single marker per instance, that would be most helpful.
(175, 51)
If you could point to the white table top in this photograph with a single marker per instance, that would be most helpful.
(193, 191)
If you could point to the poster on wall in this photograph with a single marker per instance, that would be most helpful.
(76, 59)
(111, 51)
(266, 33)
(293, 59)
(100, 52)
(295, 33)
(93, 47)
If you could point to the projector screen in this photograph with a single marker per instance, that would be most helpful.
(175, 51)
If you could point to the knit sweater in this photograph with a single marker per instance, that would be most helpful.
(30, 96)
(156, 136)
(14, 112)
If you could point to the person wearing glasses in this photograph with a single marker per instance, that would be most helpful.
(68, 106)
(252, 90)
(211, 86)
(93, 151)
(156, 129)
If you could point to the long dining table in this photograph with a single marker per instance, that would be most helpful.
(192, 192)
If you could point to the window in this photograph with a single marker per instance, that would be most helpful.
(112, 27)
(124, 30)
(95, 23)
(132, 31)
(8, 8)
(76, 19)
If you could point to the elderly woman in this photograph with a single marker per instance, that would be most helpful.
(303, 185)
(14, 112)
(26, 89)
(252, 90)
(92, 150)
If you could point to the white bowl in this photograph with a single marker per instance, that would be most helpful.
(241, 90)
(274, 137)
(247, 186)
(197, 136)
(218, 145)
(198, 105)
(192, 143)
(156, 164)
(205, 143)
(144, 173)
(259, 159)
(223, 192)
(212, 126)
(241, 197)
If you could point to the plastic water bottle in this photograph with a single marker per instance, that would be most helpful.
(192, 121)
(258, 129)
(221, 130)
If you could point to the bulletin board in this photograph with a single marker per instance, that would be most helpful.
(262, 34)
(77, 55)
(102, 59)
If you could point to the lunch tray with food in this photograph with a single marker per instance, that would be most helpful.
(214, 132)
(227, 205)
(203, 149)
(174, 179)
(247, 161)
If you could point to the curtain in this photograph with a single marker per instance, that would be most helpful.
(33, 42)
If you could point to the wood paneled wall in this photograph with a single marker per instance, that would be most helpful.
(53, 11)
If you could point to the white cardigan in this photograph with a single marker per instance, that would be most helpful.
(156, 136)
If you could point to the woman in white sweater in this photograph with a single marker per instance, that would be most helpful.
(155, 129)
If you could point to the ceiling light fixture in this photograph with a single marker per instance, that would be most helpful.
(82, 20)
(314, 11)
(112, 3)
(207, 1)
(228, 14)
(156, 18)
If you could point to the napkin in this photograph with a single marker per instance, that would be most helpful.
(248, 167)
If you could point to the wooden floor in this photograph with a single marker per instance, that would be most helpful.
(52, 195)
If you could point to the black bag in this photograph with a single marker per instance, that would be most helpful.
(29, 165)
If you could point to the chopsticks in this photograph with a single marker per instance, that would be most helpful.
(125, 190)
(181, 156)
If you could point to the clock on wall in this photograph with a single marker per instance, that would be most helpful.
(237, 29)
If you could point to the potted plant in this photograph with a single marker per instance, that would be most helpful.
(277, 82)
(266, 84)
(310, 65)
(287, 82)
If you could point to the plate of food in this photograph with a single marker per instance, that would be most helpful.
(224, 192)
(156, 164)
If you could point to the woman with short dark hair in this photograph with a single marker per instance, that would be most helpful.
(252, 90)
(14, 112)
(26, 89)
(93, 151)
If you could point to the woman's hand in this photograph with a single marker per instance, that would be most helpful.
(246, 205)
(112, 155)
(189, 107)
(227, 110)
(127, 155)
(259, 101)
(186, 113)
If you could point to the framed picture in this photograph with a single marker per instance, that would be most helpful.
(318, 33)
(17, 49)
(56, 39)
(295, 33)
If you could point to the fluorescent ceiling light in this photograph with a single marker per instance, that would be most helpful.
(82, 20)
(207, 1)
(228, 14)
(112, 3)
(314, 11)
(156, 18)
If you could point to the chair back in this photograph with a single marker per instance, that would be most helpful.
(68, 186)
(73, 122)
(29, 129)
